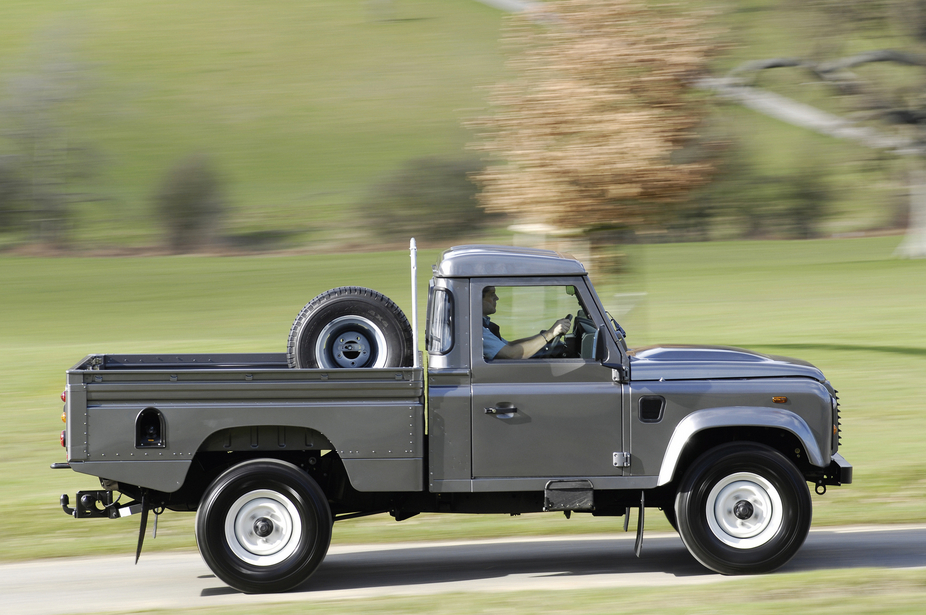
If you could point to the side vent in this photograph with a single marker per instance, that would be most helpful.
(149, 429)
(652, 408)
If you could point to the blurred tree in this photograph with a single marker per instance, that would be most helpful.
(11, 194)
(809, 202)
(38, 106)
(745, 200)
(879, 109)
(190, 204)
(596, 128)
(429, 198)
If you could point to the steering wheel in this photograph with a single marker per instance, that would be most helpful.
(555, 348)
(573, 338)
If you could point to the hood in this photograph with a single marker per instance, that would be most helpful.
(712, 362)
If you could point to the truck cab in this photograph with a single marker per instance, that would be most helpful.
(557, 414)
(587, 406)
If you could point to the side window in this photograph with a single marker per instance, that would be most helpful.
(439, 333)
(523, 322)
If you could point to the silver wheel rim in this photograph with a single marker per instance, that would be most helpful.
(744, 510)
(350, 341)
(248, 521)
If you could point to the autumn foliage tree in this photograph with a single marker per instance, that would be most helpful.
(595, 127)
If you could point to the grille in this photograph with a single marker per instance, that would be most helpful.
(837, 420)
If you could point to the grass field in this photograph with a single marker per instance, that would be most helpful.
(845, 305)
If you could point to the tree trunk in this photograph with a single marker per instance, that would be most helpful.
(914, 243)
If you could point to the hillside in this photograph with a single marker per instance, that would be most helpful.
(304, 108)
(300, 104)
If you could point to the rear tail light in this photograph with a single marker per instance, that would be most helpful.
(64, 418)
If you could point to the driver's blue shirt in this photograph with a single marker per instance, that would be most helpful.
(491, 343)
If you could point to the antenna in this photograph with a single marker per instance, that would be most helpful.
(413, 250)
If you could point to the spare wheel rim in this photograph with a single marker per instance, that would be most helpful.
(350, 341)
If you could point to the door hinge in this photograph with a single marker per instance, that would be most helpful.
(621, 460)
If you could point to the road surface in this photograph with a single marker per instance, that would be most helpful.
(98, 584)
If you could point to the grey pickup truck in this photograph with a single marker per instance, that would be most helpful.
(271, 449)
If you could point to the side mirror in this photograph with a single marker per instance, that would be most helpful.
(603, 353)
(601, 346)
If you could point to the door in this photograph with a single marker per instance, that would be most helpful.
(545, 416)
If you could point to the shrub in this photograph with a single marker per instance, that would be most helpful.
(429, 197)
(190, 204)
(11, 192)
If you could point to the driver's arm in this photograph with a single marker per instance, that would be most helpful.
(529, 346)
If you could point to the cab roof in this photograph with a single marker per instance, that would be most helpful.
(475, 261)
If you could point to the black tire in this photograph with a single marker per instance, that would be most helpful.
(263, 526)
(349, 327)
(743, 509)
(669, 512)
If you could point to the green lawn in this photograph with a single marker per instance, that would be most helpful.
(845, 305)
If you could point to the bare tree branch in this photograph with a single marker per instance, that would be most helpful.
(869, 57)
(803, 115)
(836, 72)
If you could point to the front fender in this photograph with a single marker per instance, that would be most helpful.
(737, 416)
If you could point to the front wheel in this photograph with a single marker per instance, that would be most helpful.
(743, 509)
(263, 526)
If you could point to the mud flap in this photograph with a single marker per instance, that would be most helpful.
(141, 529)
(638, 543)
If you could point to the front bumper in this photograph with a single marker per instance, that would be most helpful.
(839, 472)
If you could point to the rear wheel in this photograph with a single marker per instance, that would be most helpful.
(350, 327)
(743, 509)
(263, 526)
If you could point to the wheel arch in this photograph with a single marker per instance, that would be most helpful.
(231, 446)
(341, 476)
(783, 430)
(265, 437)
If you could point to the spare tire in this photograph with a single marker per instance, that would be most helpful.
(349, 327)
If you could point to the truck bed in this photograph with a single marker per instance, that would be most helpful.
(199, 403)
(267, 360)
(234, 376)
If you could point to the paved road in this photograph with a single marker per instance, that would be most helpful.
(182, 581)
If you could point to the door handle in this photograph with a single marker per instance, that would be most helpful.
(502, 407)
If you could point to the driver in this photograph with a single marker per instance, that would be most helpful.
(494, 346)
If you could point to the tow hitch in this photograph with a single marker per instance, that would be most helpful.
(92, 504)
(100, 504)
